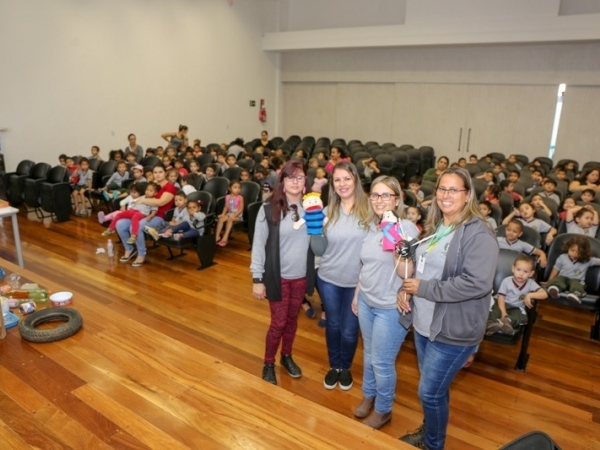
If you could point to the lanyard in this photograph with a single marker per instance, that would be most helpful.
(437, 237)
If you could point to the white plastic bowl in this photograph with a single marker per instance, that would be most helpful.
(61, 298)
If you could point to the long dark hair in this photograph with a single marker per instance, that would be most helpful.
(279, 199)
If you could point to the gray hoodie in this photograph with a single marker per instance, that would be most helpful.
(462, 295)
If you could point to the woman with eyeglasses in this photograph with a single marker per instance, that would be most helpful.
(375, 304)
(452, 275)
(347, 225)
(282, 266)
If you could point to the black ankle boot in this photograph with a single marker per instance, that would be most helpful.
(292, 368)
(269, 373)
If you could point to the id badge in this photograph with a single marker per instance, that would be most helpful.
(421, 264)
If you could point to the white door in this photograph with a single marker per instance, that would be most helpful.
(431, 114)
(579, 130)
(509, 119)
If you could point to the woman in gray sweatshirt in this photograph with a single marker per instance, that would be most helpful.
(453, 274)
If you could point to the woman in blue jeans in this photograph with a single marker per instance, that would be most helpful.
(375, 305)
(164, 200)
(347, 219)
(453, 274)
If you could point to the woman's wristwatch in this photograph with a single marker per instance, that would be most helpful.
(257, 280)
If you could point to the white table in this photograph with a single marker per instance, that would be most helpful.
(10, 211)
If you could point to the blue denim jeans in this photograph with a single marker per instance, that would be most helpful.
(438, 363)
(342, 325)
(382, 338)
(124, 233)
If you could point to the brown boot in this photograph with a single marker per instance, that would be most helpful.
(377, 419)
(364, 407)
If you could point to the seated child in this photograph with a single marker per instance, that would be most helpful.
(526, 215)
(538, 203)
(130, 159)
(209, 172)
(84, 177)
(414, 184)
(180, 215)
(232, 212)
(62, 159)
(512, 159)
(488, 176)
(320, 180)
(173, 176)
(179, 167)
(511, 241)
(245, 175)
(413, 213)
(187, 184)
(509, 187)
(114, 185)
(195, 167)
(230, 161)
(492, 194)
(371, 169)
(485, 208)
(135, 190)
(549, 185)
(167, 162)
(473, 159)
(498, 173)
(568, 273)
(568, 203)
(72, 169)
(136, 213)
(515, 293)
(95, 156)
(192, 227)
(582, 220)
(587, 195)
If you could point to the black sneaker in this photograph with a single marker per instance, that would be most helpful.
(269, 373)
(292, 368)
(331, 379)
(346, 381)
(415, 437)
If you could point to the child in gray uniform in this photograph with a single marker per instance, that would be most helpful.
(515, 293)
(568, 273)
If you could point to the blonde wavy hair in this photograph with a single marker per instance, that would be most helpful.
(361, 203)
(469, 211)
(394, 185)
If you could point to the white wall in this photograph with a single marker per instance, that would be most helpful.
(317, 14)
(78, 73)
(350, 93)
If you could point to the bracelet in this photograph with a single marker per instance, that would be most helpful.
(257, 280)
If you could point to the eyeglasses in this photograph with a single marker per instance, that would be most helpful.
(385, 196)
(295, 216)
(451, 191)
(297, 178)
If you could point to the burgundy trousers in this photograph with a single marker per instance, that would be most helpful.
(284, 318)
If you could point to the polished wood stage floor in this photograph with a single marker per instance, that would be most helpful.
(170, 357)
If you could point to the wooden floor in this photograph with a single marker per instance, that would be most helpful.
(170, 357)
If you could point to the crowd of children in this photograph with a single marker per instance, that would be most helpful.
(545, 200)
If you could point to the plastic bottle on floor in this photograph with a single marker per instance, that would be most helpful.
(110, 248)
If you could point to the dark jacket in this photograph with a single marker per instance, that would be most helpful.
(463, 293)
(272, 274)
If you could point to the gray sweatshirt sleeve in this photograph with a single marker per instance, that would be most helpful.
(261, 232)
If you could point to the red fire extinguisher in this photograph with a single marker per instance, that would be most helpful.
(262, 112)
